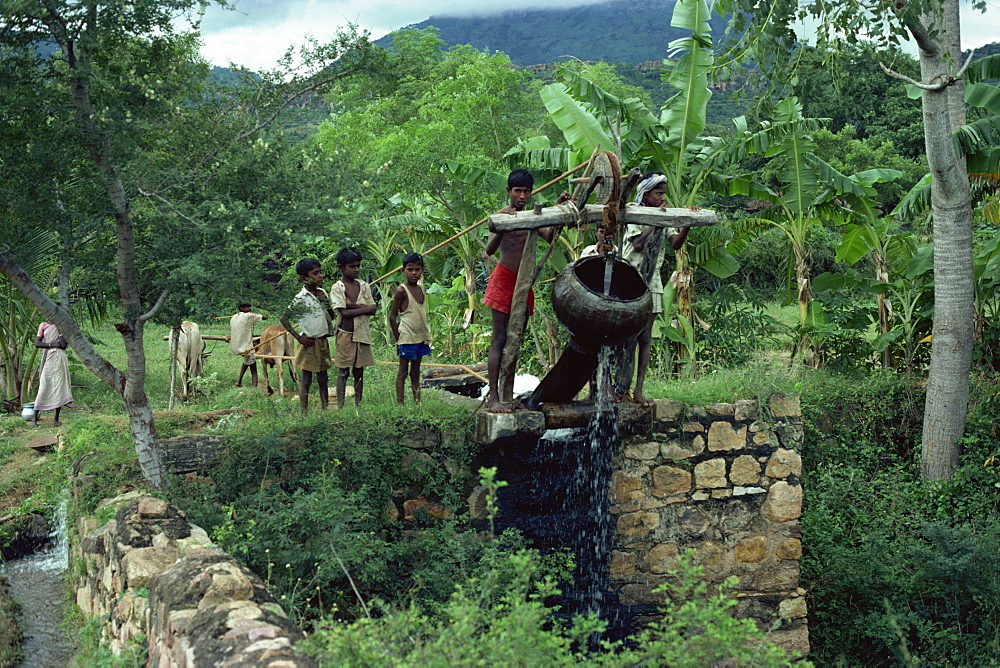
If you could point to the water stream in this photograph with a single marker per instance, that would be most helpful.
(587, 500)
(558, 496)
(37, 582)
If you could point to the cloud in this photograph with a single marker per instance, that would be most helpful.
(258, 32)
(980, 28)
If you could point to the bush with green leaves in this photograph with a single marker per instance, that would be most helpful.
(309, 507)
(899, 570)
(738, 329)
(500, 617)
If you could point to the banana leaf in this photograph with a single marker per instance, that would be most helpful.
(580, 128)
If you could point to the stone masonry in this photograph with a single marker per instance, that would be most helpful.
(156, 579)
(724, 481)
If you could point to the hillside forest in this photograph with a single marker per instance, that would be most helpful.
(854, 263)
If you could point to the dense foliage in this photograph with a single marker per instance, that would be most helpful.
(899, 572)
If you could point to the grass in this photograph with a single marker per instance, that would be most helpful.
(10, 632)
(217, 388)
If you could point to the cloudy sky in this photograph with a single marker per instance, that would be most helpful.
(259, 31)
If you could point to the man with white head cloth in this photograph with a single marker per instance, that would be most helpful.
(640, 240)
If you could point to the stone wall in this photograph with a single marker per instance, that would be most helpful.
(156, 579)
(724, 481)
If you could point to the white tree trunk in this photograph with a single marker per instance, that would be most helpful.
(954, 315)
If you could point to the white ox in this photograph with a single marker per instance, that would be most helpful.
(190, 347)
(276, 342)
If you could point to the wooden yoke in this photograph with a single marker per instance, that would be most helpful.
(566, 215)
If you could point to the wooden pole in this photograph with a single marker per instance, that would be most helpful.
(463, 367)
(207, 337)
(518, 317)
(477, 224)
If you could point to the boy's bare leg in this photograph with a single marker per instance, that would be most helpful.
(34, 419)
(305, 381)
(243, 370)
(322, 380)
(415, 380)
(401, 372)
(55, 420)
(342, 385)
(253, 374)
(359, 384)
(645, 343)
(497, 343)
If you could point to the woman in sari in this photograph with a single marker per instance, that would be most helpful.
(53, 379)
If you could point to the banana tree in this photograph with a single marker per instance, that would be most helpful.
(870, 234)
(808, 192)
(671, 141)
(19, 318)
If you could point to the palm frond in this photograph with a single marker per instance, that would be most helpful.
(983, 69)
(916, 202)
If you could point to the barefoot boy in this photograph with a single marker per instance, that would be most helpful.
(315, 317)
(500, 290)
(352, 300)
(651, 191)
(408, 319)
(241, 338)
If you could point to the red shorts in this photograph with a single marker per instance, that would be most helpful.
(500, 290)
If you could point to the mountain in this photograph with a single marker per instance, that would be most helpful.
(627, 31)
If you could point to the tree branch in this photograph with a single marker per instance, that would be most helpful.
(949, 80)
(913, 82)
(156, 307)
(170, 205)
(260, 125)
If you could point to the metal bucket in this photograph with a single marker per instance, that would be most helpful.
(601, 300)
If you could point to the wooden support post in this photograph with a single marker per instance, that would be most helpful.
(518, 317)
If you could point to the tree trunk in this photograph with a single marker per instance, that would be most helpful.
(803, 294)
(954, 314)
(884, 305)
(683, 283)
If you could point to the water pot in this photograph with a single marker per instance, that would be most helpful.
(602, 300)
(28, 410)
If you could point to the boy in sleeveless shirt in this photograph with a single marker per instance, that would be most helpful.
(408, 319)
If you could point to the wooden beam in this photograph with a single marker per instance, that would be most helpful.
(550, 216)
(664, 217)
(206, 337)
(564, 215)
(518, 316)
(454, 369)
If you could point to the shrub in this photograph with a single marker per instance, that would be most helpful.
(900, 570)
(499, 617)
(305, 505)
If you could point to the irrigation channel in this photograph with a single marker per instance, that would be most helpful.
(37, 582)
